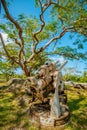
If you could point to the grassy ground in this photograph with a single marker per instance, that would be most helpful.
(12, 115)
(77, 101)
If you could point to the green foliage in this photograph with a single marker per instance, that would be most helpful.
(35, 64)
(76, 78)
(29, 25)
(13, 49)
(6, 70)
(7, 66)
(72, 13)
(70, 53)
(63, 14)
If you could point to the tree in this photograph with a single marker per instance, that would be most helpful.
(66, 16)
(12, 48)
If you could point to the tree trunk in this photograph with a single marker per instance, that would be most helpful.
(26, 70)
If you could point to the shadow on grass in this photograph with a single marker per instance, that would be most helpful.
(74, 103)
(78, 113)
(11, 115)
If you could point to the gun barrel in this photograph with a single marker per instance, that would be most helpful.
(56, 62)
(63, 64)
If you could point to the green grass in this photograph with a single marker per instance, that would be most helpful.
(12, 115)
(78, 109)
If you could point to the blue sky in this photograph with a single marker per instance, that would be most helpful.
(27, 7)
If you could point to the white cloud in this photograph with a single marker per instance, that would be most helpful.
(5, 36)
(60, 58)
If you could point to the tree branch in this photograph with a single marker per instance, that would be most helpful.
(4, 47)
(43, 9)
(31, 57)
(17, 26)
(17, 42)
(49, 42)
(55, 38)
(65, 55)
(82, 19)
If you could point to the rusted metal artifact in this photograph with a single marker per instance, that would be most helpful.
(48, 106)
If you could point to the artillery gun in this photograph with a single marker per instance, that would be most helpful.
(48, 106)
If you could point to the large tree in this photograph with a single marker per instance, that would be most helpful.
(33, 36)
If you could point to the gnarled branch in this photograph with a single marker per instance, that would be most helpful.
(43, 9)
(56, 38)
(6, 51)
(50, 41)
(17, 42)
(17, 26)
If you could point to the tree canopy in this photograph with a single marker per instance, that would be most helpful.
(30, 37)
